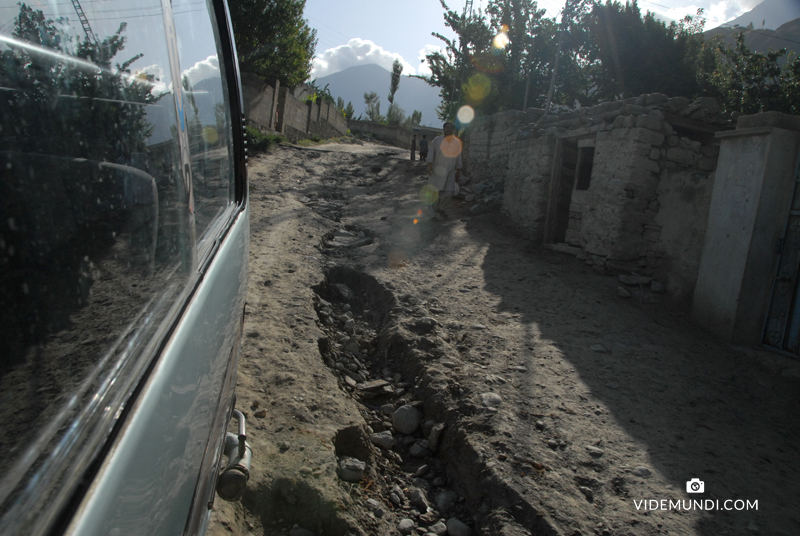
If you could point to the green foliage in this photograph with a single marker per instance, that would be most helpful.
(317, 93)
(349, 111)
(395, 115)
(273, 40)
(749, 82)
(628, 53)
(103, 120)
(497, 55)
(261, 141)
(414, 119)
(373, 103)
(397, 70)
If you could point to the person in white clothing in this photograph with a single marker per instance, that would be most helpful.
(444, 168)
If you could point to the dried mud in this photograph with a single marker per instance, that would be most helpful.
(560, 404)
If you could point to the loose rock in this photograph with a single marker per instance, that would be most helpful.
(418, 450)
(435, 435)
(351, 469)
(491, 400)
(406, 526)
(382, 439)
(406, 419)
(375, 507)
(343, 291)
(456, 528)
(440, 529)
(641, 471)
(594, 452)
(417, 497)
(587, 492)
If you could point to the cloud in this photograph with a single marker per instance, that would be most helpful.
(716, 13)
(207, 68)
(424, 69)
(356, 52)
(157, 73)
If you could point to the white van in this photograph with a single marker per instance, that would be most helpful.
(123, 266)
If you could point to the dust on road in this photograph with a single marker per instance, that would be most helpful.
(559, 405)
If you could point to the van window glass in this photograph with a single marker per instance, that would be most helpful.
(95, 234)
(208, 120)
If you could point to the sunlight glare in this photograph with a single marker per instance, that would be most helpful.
(465, 114)
(500, 41)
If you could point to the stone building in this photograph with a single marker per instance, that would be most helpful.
(631, 187)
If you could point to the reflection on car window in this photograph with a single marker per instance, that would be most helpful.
(95, 233)
(208, 119)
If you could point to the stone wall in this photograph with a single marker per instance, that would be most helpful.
(641, 206)
(502, 167)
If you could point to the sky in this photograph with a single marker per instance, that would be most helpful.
(357, 32)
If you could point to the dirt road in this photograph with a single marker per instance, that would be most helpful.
(467, 381)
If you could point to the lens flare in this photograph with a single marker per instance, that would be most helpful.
(210, 135)
(451, 148)
(478, 87)
(465, 114)
(397, 260)
(416, 221)
(419, 212)
(500, 40)
(428, 194)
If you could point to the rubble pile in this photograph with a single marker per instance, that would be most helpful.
(411, 486)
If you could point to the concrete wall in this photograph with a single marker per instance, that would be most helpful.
(272, 107)
(397, 136)
(326, 121)
(747, 217)
(260, 101)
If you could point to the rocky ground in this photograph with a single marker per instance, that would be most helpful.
(408, 376)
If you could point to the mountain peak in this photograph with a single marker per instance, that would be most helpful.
(413, 94)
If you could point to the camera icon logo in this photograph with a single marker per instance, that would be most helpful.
(695, 485)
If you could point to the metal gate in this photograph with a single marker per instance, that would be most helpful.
(782, 327)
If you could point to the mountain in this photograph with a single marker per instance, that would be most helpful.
(412, 94)
(786, 36)
(773, 13)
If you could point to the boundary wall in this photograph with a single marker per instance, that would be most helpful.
(397, 136)
(671, 194)
(270, 106)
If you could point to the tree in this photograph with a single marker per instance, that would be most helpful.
(395, 115)
(107, 105)
(749, 82)
(627, 53)
(413, 120)
(397, 70)
(496, 56)
(349, 111)
(373, 103)
(273, 40)
(322, 94)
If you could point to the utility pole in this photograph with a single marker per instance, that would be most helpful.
(84, 21)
